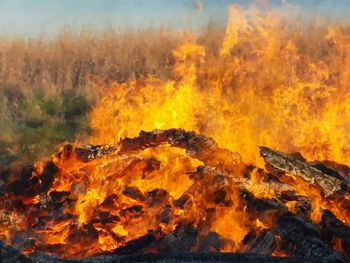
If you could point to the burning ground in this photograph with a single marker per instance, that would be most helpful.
(243, 149)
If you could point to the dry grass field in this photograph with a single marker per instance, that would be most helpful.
(47, 85)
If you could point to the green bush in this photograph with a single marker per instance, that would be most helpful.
(34, 124)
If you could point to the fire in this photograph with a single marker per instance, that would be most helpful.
(270, 84)
(267, 86)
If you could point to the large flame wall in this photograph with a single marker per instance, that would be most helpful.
(274, 82)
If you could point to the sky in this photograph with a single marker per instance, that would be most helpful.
(35, 17)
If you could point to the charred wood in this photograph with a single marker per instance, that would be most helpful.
(29, 183)
(166, 215)
(88, 153)
(328, 170)
(26, 185)
(11, 255)
(218, 182)
(48, 176)
(134, 193)
(303, 204)
(137, 245)
(212, 242)
(198, 146)
(261, 204)
(134, 211)
(337, 169)
(182, 239)
(182, 200)
(59, 197)
(332, 228)
(84, 235)
(289, 165)
(104, 218)
(214, 181)
(301, 237)
(66, 152)
(109, 202)
(157, 197)
(331, 225)
(265, 244)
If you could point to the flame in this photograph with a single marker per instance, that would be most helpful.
(270, 84)
(265, 88)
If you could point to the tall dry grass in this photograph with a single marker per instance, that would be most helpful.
(47, 86)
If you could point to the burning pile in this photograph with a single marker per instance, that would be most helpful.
(146, 204)
(173, 190)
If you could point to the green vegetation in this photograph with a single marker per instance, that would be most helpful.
(32, 123)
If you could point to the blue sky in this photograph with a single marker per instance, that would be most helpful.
(33, 17)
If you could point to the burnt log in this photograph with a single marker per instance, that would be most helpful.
(265, 244)
(27, 184)
(302, 206)
(145, 165)
(336, 169)
(104, 218)
(11, 255)
(212, 242)
(197, 146)
(217, 182)
(261, 204)
(332, 228)
(88, 153)
(22, 240)
(292, 166)
(301, 238)
(48, 176)
(157, 197)
(134, 193)
(109, 202)
(66, 152)
(138, 245)
(182, 239)
(131, 212)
